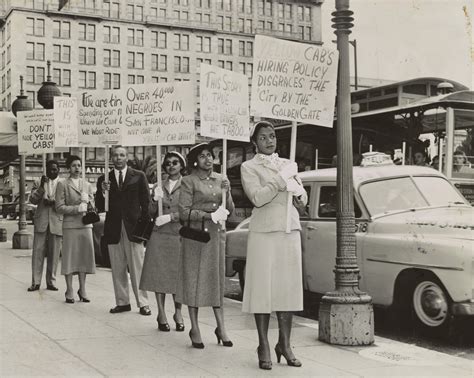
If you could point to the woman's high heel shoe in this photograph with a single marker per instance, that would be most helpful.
(262, 364)
(179, 326)
(69, 300)
(227, 343)
(81, 298)
(196, 345)
(163, 327)
(291, 362)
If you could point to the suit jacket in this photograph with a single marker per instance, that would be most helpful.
(267, 191)
(68, 199)
(127, 205)
(170, 206)
(45, 215)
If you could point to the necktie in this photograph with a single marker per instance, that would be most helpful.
(120, 180)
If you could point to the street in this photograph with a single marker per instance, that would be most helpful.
(460, 343)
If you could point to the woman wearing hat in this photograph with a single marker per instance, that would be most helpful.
(202, 271)
(160, 267)
(273, 279)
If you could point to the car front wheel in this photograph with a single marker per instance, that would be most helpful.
(430, 303)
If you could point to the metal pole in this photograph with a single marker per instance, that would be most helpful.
(158, 178)
(22, 239)
(224, 176)
(346, 314)
(106, 178)
(356, 78)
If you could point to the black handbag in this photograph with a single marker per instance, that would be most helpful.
(188, 232)
(90, 217)
(143, 229)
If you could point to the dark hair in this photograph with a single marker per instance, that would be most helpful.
(195, 152)
(51, 162)
(70, 159)
(257, 127)
(177, 155)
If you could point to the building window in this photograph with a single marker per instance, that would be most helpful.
(35, 26)
(135, 60)
(307, 13)
(111, 34)
(135, 12)
(34, 51)
(181, 64)
(228, 23)
(268, 8)
(57, 76)
(61, 29)
(159, 39)
(66, 78)
(300, 13)
(86, 32)
(135, 37)
(203, 44)
(131, 79)
(248, 26)
(116, 81)
(158, 62)
(181, 42)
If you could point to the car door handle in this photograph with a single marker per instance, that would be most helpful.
(312, 228)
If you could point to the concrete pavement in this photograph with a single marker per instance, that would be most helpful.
(40, 335)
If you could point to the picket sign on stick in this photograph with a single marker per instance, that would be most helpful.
(292, 159)
(440, 156)
(158, 178)
(106, 178)
(316, 158)
(404, 150)
(224, 176)
(44, 164)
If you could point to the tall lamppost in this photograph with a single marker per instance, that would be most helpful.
(22, 239)
(346, 314)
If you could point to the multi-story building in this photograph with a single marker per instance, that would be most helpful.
(105, 44)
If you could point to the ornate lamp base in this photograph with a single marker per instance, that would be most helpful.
(22, 239)
(346, 320)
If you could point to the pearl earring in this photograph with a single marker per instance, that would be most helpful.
(195, 164)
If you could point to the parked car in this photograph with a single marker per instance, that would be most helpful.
(415, 244)
(11, 210)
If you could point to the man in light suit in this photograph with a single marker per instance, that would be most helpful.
(48, 231)
(129, 198)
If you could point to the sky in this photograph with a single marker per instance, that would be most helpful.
(403, 39)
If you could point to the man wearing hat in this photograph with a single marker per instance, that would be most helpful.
(128, 204)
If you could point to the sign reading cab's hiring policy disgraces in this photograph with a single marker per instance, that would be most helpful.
(158, 114)
(224, 104)
(35, 132)
(294, 81)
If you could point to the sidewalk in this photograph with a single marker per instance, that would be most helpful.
(40, 335)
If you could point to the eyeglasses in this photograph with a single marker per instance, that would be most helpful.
(169, 163)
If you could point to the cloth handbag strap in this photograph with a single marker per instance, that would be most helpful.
(189, 220)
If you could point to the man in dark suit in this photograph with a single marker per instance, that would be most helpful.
(128, 202)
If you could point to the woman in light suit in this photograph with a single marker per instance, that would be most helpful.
(73, 195)
(273, 280)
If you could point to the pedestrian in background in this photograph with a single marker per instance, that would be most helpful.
(202, 271)
(73, 196)
(160, 267)
(129, 199)
(273, 279)
(48, 228)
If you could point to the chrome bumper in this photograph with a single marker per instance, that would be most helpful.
(465, 308)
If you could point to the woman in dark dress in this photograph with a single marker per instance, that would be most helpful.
(202, 271)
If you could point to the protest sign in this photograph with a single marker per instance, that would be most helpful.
(158, 114)
(35, 132)
(294, 81)
(224, 104)
(65, 122)
(100, 117)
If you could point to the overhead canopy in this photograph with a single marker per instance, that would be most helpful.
(8, 130)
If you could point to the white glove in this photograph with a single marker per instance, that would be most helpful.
(163, 219)
(82, 207)
(157, 193)
(293, 186)
(289, 170)
(219, 215)
(84, 197)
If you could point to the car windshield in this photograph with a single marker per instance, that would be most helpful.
(408, 193)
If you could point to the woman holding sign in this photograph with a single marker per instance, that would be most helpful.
(160, 267)
(73, 196)
(202, 271)
(273, 280)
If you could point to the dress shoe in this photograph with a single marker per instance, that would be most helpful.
(69, 300)
(290, 361)
(122, 308)
(179, 325)
(145, 310)
(52, 288)
(194, 344)
(263, 364)
(163, 327)
(227, 343)
(81, 298)
(34, 288)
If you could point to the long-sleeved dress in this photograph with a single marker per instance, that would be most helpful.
(78, 246)
(162, 256)
(273, 274)
(202, 269)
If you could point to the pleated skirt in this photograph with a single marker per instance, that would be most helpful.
(78, 251)
(273, 273)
